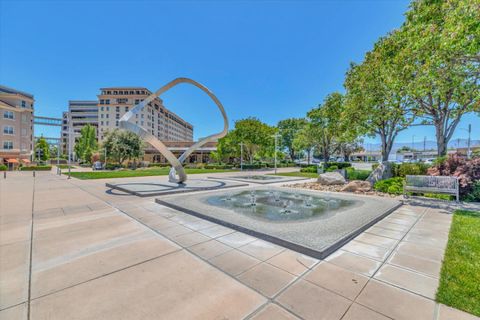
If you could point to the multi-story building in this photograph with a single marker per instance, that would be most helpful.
(16, 125)
(114, 102)
(80, 113)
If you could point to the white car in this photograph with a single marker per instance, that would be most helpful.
(97, 165)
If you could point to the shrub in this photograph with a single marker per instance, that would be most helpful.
(474, 194)
(36, 168)
(353, 174)
(112, 166)
(467, 171)
(218, 166)
(3, 167)
(401, 170)
(309, 169)
(391, 186)
(248, 166)
(339, 165)
(161, 165)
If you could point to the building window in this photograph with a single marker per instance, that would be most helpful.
(137, 101)
(8, 130)
(102, 101)
(108, 123)
(126, 109)
(108, 108)
(101, 123)
(7, 145)
(123, 100)
(116, 123)
(101, 115)
(8, 115)
(24, 104)
(107, 101)
(117, 109)
(106, 115)
(117, 116)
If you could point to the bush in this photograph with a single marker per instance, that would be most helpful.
(161, 165)
(467, 171)
(218, 166)
(248, 166)
(3, 167)
(332, 169)
(474, 194)
(391, 186)
(339, 165)
(309, 169)
(401, 170)
(36, 168)
(112, 166)
(353, 174)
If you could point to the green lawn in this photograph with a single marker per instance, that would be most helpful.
(298, 174)
(460, 275)
(64, 166)
(137, 173)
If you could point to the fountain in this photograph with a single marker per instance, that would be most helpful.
(311, 222)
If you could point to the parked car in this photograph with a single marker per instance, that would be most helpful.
(97, 165)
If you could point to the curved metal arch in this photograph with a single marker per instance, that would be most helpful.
(177, 168)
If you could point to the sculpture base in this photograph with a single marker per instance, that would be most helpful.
(156, 188)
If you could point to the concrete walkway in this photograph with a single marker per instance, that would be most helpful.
(69, 250)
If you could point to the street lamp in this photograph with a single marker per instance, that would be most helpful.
(276, 135)
(241, 156)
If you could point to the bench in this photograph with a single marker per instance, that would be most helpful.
(431, 184)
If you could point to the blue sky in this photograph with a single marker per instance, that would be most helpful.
(271, 60)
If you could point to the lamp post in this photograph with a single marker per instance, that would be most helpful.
(69, 148)
(241, 156)
(275, 136)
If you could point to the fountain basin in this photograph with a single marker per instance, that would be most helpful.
(315, 227)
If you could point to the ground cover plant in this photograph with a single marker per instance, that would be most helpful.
(36, 168)
(391, 186)
(460, 277)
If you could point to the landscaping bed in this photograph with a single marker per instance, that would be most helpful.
(460, 276)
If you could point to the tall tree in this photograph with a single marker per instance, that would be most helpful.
(377, 104)
(441, 60)
(256, 136)
(122, 145)
(307, 139)
(288, 130)
(86, 144)
(326, 120)
(42, 145)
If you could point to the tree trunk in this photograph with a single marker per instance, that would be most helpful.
(441, 138)
(308, 156)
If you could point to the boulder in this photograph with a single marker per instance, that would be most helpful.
(357, 185)
(331, 178)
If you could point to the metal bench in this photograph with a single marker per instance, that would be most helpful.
(431, 184)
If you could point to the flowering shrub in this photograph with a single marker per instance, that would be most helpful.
(467, 171)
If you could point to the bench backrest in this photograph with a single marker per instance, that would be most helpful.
(433, 182)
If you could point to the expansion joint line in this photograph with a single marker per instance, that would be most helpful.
(31, 252)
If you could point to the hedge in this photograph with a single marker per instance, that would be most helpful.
(339, 165)
(36, 168)
(3, 167)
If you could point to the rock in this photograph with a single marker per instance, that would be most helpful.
(331, 178)
(383, 171)
(357, 185)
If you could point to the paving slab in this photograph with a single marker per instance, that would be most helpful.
(267, 279)
(359, 312)
(354, 262)
(273, 311)
(395, 303)
(310, 301)
(14, 265)
(175, 286)
(18, 312)
(292, 262)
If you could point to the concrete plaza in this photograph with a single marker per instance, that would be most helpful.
(71, 250)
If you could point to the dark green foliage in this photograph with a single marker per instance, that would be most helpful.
(339, 165)
(414, 169)
(3, 167)
(391, 186)
(354, 174)
(310, 169)
(474, 194)
(36, 168)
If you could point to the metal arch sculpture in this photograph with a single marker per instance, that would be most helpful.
(177, 168)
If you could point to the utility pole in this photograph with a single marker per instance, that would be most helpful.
(241, 156)
(424, 143)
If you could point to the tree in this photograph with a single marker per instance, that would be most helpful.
(288, 130)
(441, 62)
(326, 121)
(256, 136)
(307, 138)
(377, 104)
(86, 144)
(122, 145)
(42, 150)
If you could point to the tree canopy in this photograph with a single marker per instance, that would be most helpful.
(122, 145)
(86, 144)
(288, 130)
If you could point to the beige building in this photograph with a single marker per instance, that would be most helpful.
(114, 102)
(80, 113)
(16, 125)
